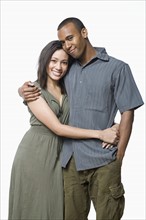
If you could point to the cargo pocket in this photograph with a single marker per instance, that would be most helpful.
(117, 201)
(117, 191)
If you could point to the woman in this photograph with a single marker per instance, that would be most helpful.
(36, 189)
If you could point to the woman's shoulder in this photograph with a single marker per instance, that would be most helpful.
(43, 91)
(36, 83)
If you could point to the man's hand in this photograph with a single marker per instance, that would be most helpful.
(29, 92)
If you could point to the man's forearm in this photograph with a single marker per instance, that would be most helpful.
(125, 132)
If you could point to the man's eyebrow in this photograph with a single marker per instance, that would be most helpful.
(67, 37)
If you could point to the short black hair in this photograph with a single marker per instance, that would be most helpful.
(77, 22)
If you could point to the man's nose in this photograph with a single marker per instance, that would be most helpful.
(67, 44)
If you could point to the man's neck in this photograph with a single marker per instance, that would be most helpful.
(88, 54)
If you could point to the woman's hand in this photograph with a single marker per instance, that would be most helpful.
(106, 144)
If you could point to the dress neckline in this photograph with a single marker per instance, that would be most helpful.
(60, 102)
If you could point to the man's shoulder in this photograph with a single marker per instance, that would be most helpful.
(103, 50)
(117, 61)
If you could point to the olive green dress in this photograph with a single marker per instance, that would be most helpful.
(36, 188)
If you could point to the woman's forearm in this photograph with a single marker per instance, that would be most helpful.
(109, 135)
(44, 113)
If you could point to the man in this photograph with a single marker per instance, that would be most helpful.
(98, 86)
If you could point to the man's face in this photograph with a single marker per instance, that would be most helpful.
(73, 40)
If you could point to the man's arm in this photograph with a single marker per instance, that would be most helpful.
(29, 92)
(125, 130)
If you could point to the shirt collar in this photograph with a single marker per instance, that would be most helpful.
(101, 53)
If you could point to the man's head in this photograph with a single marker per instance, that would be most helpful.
(74, 37)
(78, 23)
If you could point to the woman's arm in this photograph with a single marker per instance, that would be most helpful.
(44, 114)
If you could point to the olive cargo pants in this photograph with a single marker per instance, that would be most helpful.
(101, 185)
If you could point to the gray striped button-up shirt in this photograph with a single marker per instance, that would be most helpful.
(96, 92)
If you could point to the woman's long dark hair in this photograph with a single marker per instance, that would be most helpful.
(44, 60)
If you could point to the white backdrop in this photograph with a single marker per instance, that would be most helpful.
(27, 26)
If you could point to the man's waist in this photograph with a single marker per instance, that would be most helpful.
(87, 154)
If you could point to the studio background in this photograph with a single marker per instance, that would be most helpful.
(26, 27)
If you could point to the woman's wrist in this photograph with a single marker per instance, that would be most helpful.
(98, 134)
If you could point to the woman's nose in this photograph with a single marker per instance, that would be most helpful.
(58, 65)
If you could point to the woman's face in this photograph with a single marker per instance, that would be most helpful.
(58, 65)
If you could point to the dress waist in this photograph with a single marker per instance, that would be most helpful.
(41, 129)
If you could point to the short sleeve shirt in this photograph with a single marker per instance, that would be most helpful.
(96, 92)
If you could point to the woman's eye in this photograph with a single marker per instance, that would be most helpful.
(54, 61)
(65, 63)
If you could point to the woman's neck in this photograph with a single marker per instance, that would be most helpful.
(52, 83)
(54, 88)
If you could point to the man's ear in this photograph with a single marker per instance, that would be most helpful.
(84, 33)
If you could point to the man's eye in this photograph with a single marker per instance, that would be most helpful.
(70, 38)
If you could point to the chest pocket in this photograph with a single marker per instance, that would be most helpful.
(97, 97)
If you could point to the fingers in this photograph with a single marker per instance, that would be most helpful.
(117, 135)
(116, 126)
(31, 93)
(31, 89)
(110, 136)
(34, 91)
(107, 145)
(116, 140)
(116, 129)
(32, 99)
(30, 83)
(32, 96)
